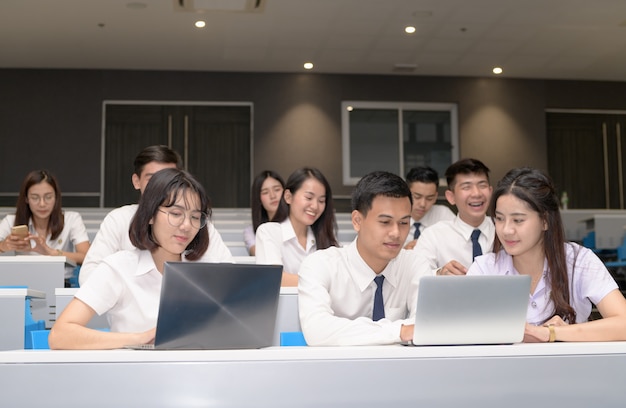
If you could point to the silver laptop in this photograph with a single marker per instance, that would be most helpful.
(455, 310)
(216, 306)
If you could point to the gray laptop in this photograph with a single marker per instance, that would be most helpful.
(216, 306)
(456, 310)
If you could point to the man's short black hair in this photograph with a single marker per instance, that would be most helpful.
(378, 183)
(422, 174)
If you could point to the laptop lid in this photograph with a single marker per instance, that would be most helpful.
(217, 306)
(454, 310)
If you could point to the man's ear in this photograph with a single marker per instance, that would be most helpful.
(357, 219)
(288, 196)
(450, 197)
(135, 180)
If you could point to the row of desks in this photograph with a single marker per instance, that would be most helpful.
(546, 375)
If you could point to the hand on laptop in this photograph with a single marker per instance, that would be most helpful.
(406, 332)
(452, 268)
(146, 337)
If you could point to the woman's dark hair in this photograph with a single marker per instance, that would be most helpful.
(325, 227)
(22, 209)
(163, 189)
(259, 213)
(536, 189)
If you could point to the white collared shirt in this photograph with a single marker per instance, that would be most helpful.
(277, 244)
(434, 215)
(450, 240)
(126, 286)
(589, 281)
(336, 297)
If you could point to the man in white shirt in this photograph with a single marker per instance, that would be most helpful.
(366, 292)
(423, 182)
(113, 233)
(450, 246)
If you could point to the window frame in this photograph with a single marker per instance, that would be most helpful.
(347, 106)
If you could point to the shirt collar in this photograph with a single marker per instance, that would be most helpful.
(361, 272)
(466, 229)
(288, 233)
(145, 263)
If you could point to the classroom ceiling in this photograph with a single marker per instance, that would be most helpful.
(552, 39)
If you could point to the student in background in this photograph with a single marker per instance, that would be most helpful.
(51, 231)
(265, 193)
(113, 233)
(170, 224)
(566, 278)
(366, 292)
(424, 185)
(304, 223)
(450, 246)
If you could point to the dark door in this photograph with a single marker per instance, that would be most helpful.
(585, 153)
(214, 141)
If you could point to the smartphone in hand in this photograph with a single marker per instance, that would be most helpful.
(20, 231)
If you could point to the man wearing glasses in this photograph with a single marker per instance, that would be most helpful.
(113, 233)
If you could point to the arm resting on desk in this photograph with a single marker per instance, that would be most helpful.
(70, 332)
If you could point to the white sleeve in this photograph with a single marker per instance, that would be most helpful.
(249, 237)
(108, 241)
(269, 244)
(217, 250)
(78, 232)
(5, 226)
(427, 248)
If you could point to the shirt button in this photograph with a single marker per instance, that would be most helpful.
(533, 304)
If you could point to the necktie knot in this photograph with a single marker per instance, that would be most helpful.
(379, 306)
(476, 249)
(417, 232)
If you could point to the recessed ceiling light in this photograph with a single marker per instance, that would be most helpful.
(349, 108)
(308, 65)
(497, 70)
(409, 29)
(200, 24)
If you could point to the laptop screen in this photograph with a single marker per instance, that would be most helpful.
(217, 306)
(482, 309)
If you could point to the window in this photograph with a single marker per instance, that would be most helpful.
(397, 136)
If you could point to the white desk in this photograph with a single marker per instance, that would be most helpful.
(12, 315)
(287, 318)
(44, 273)
(539, 375)
(576, 222)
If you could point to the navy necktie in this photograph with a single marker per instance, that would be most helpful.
(379, 306)
(476, 251)
(417, 233)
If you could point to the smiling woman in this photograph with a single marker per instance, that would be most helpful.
(567, 279)
(304, 222)
(169, 225)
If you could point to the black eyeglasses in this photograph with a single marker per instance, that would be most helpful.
(198, 219)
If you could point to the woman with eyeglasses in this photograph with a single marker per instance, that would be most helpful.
(48, 229)
(169, 225)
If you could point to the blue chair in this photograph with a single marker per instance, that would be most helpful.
(74, 277)
(621, 257)
(39, 339)
(292, 339)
